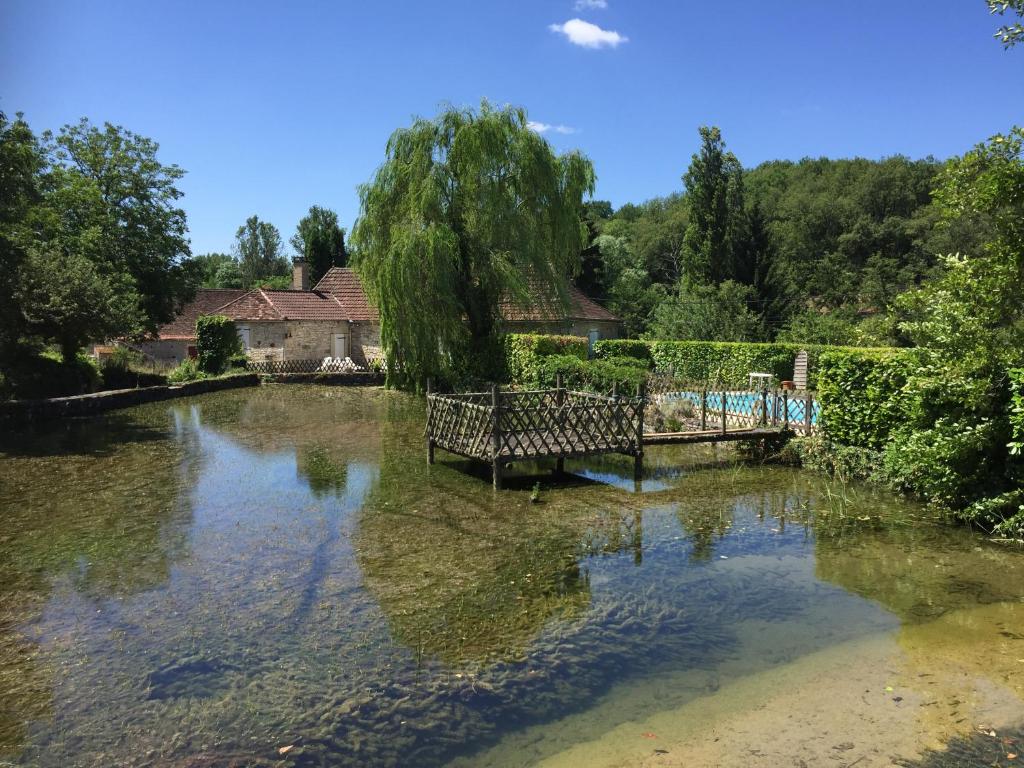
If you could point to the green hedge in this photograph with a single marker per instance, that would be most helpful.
(524, 353)
(724, 362)
(592, 375)
(618, 348)
(861, 394)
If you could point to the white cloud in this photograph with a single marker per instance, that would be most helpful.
(580, 32)
(589, 5)
(533, 125)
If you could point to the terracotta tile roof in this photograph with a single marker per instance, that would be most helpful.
(267, 304)
(344, 284)
(183, 327)
(546, 309)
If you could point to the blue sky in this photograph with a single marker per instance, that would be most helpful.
(274, 106)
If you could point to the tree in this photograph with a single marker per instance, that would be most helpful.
(320, 241)
(469, 209)
(65, 298)
(1009, 34)
(216, 270)
(21, 161)
(258, 248)
(714, 193)
(702, 312)
(110, 200)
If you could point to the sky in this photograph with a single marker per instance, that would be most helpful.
(272, 107)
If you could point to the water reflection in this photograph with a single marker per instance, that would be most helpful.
(278, 567)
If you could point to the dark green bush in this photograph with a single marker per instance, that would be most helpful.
(216, 342)
(238, 362)
(121, 370)
(524, 352)
(592, 375)
(861, 395)
(32, 375)
(1016, 413)
(635, 349)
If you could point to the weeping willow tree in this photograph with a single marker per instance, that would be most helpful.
(469, 210)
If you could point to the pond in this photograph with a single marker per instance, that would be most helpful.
(275, 577)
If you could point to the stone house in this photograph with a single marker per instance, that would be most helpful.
(337, 319)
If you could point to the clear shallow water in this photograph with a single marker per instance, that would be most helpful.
(210, 581)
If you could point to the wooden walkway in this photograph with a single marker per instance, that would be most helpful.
(500, 427)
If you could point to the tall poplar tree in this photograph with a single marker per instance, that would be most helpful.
(258, 247)
(715, 234)
(469, 209)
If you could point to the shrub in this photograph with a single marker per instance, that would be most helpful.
(861, 395)
(238, 362)
(31, 374)
(951, 464)
(216, 342)
(634, 349)
(523, 353)
(187, 370)
(846, 462)
(1016, 412)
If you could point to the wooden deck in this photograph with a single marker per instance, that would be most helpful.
(501, 427)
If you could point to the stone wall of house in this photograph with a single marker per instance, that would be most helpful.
(171, 351)
(365, 333)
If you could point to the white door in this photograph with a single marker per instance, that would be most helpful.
(340, 346)
(243, 334)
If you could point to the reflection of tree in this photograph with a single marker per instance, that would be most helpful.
(461, 574)
(322, 471)
(101, 504)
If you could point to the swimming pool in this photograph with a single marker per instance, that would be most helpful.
(748, 403)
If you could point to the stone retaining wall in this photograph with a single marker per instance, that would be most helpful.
(335, 379)
(21, 411)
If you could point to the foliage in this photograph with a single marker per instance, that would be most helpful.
(862, 395)
(108, 200)
(66, 299)
(216, 343)
(1008, 34)
(258, 249)
(618, 348)
(524, 353)
(216, 270)
(29, 374)
(320, 241)
(707, 313)
(593, 375)
(843, 462)
(187, 370)
(715, 238)
(836, 328)
(467, 210)
(724, 363)
(1016, 445)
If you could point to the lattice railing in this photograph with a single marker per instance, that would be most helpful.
(534, 423)
(333, 365)
(739, 408)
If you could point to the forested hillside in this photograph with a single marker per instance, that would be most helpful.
(814, 250)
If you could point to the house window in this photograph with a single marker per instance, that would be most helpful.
(192, 351)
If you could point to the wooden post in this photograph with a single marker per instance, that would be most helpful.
(638, 457)
(704, 409)
(430, 437)
(725, 399)
(560, 402)
(808, 406)
(764, 407)
(496, 436)
(785, 409)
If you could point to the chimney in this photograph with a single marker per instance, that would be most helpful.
(300, 275)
